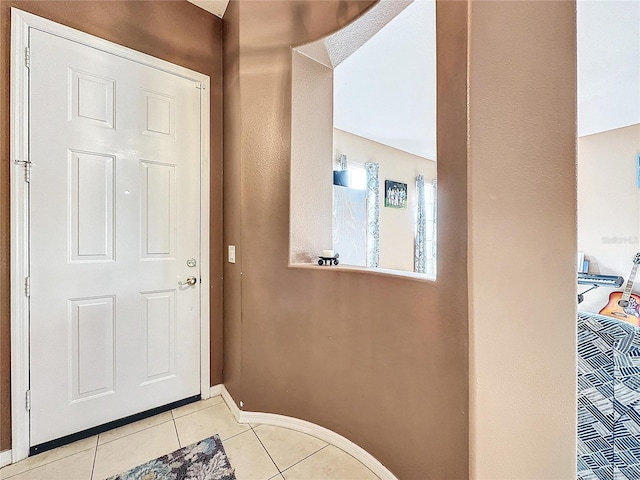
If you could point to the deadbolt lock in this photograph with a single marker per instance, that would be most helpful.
(191, 262)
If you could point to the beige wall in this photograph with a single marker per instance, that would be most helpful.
(522, 239)
(385, 362)
(608, 207)
(176, 31)
(397, 226)
(346, 366)
(311, 167)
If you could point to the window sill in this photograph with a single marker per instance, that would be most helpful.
(422, 277)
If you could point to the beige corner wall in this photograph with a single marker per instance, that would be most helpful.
(384, 363)
(399, 389)
(397, 226)
(522, 240)
(608, 207)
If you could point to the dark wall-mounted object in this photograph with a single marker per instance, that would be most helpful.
(341, 178)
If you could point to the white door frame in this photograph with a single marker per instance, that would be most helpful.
(21, 23)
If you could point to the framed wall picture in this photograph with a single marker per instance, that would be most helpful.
(395, 194)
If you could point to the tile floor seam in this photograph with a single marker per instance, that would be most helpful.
(46, 463)
(344, 451)
(303, 459)
(265, 449)
(195, 411)
(175, 427)
(11, 476)
(132, 433)
(232, 436)
(280, 475)
(93, 465)
(95, 454)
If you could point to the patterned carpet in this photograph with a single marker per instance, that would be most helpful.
(608, 399)
(205, 459)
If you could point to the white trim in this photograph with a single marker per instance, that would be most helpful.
(205, 246)
(19, 239)
(216, 390)
(228, 399)
(21, 23)
(5, 458)
(309, 428)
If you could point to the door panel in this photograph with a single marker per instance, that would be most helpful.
(158, 186)
(159, 323)
(92, 353)
(92, 99)
(92, 207)
(159, 114)
(115, 206)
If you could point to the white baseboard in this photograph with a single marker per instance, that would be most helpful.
(309, 428)
(5, 458)
(215, 390)
(235, 410)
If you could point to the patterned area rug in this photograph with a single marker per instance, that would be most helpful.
(204, 460)
(608, 398)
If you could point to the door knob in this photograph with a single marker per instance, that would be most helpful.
(189, 281)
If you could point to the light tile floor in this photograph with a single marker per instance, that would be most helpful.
(257, 452)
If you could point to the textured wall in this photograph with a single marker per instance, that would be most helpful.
(384, 363)
(522, 239)
(312, 165)
(176, 31)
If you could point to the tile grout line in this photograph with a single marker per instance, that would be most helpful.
(358, 461)
(28, 469)
(97, 444)
(265, 449)
(303, 459)
(175, 427)
(234, 435)
(95, 455)
(133, 433)
(196, 411)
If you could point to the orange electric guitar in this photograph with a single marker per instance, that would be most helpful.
(625, 305)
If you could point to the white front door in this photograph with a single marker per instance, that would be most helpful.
(115, 208)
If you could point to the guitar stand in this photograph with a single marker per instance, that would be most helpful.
(596, 280)
(581, 295)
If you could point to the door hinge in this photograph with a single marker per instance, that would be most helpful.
(26, 164)
(27, 57)
(28, 400)
(200, 86)
(27, 286)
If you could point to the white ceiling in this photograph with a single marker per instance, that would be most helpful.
(386, 90)
(608, 65)
(608, 74)
(217, 7)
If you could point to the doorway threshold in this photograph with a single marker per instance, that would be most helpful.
(89, 432)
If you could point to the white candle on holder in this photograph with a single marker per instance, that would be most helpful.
(327, 253)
